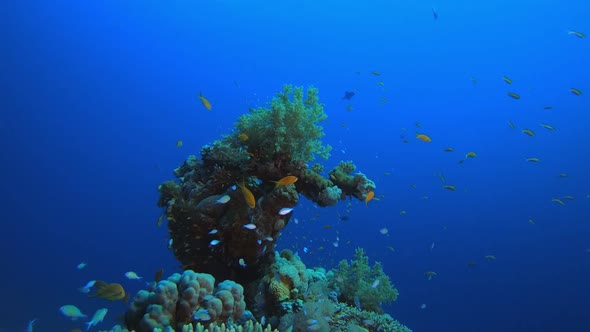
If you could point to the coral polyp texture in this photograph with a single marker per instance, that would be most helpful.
(225, 212)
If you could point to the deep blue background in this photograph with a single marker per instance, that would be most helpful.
(95, 94)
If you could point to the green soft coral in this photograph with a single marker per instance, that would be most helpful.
(357, 278)
(289, 127)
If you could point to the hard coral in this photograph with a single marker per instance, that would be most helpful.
(173, 302)
(287, 277)
(289, 127)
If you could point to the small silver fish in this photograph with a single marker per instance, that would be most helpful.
(285, 211)
(214, 242)
(97, 318)
(375, 283)
(86, 288)
(242, 262)
(214, 231)
(250, 226)
(223, 199)
(202, 315)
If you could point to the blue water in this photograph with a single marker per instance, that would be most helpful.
(95, 94)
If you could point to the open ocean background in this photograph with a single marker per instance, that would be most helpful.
(95, 95)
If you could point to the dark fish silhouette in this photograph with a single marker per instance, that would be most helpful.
(435, 14)
(348, 95)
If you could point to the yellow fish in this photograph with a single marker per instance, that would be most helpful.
(474, 80)
(511, 124)
(528, 132)
(248, 196)
(449, 187)
(160, 219)
(178, 144)
(424, 138)
(575, 91)
(376, 73)
(205, 102)
(546, 126)
(243, 137)
(533, 160)
(571, 198)
(507, 80)
(490, 257)
(111, 292)
(513, 95)
(287, 180)
(381, 83)
(558, 201)
(562, 175)
(470, 154)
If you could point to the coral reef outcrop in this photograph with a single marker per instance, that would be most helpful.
(225, 211)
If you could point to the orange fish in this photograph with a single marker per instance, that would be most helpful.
(369, 197)
(424, 138)
(205, 102)
(248, 196)
(287, 180)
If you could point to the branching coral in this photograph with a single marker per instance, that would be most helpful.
(357, 281)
